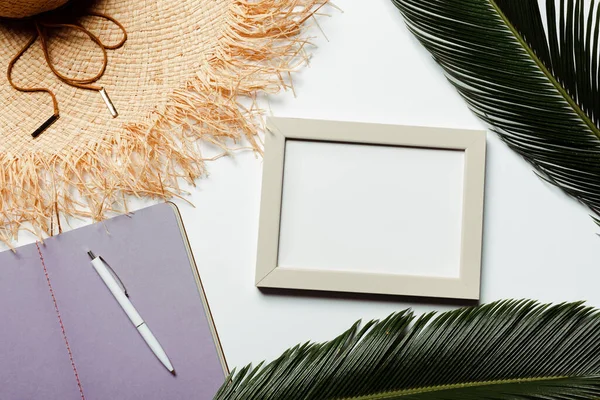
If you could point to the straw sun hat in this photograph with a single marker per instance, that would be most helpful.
(175, 81)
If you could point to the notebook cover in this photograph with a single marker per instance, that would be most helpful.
(149, 251)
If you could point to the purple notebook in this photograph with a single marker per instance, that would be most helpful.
(106, 358)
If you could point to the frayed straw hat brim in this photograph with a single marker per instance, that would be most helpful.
(175, 82)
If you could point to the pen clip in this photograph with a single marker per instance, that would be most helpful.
(114, 274)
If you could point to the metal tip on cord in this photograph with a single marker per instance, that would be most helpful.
(109, 103)
(91, 254)
(45, 125)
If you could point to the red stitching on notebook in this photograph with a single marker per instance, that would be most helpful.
(62, 327)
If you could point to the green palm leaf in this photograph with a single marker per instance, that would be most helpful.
(537, 89)
(504, 350)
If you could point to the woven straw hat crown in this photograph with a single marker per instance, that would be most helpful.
(27, 8)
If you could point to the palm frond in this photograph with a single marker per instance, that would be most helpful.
(537, 88)
(504, 350)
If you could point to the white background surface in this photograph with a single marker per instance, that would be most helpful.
(537, 242)
(377, 209)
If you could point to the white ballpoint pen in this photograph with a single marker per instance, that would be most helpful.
(122, 298)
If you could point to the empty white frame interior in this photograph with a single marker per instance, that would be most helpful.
(371, 208)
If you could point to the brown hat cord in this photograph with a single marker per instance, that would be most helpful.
(84, 83)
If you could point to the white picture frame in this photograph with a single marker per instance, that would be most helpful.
(280, 130)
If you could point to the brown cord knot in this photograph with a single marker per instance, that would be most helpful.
(41, 32)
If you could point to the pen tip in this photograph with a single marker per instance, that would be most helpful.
(92, 256)
(173, 372)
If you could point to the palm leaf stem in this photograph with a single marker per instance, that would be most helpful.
(507, 382)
